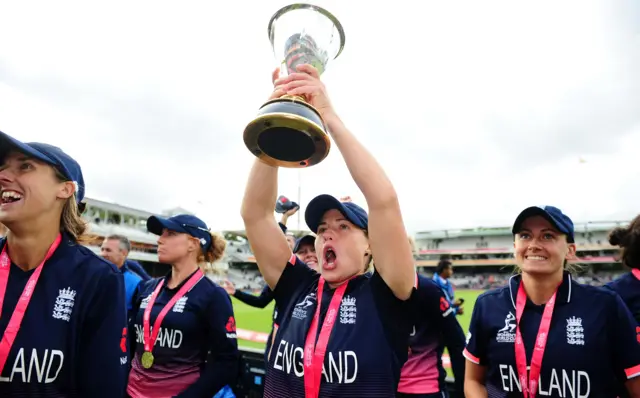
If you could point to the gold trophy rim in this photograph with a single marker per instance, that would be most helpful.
(316, 8)
(312, 129)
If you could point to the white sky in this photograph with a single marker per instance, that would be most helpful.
(475, 109)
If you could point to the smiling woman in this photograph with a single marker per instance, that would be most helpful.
(41, 188)
(589, 331)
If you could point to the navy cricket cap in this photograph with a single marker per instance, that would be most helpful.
(323, 203)
(183, 223)
(307, 239)
(555, 216)
(52, 155)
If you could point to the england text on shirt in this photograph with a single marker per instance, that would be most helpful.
(196, 350)
(591, 339)
(435, 327)
(72, 341)
(366, 349)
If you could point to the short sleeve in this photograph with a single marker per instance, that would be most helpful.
(440, 312)
(397, 315)
(437, 305)
(297, 276)
(476, 349)
(625, 340)
(222, 325)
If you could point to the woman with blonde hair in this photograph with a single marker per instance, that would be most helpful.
(185, 331)
(63, 316)
(545, 334)
(343, 330)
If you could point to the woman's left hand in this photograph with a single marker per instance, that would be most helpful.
(306, 83)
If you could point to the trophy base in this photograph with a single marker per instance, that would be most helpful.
(288, 133)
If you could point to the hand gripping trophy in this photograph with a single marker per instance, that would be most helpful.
(289, 132)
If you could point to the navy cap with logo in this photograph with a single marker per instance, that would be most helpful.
(52, 155)
(323, 203)
(555, 216)
(305, 240)
(183, 223)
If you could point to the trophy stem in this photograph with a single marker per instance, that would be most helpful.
(294, 98)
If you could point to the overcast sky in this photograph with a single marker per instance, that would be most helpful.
(475, 109)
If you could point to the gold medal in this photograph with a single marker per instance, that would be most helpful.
(147, 360)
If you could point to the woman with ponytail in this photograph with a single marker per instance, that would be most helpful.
(183, 325)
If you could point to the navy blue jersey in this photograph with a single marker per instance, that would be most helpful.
(261, 301)
(366, 349)
(591, 341)
(72, 341)
(628, 287)
(196, 351)
(435, 327)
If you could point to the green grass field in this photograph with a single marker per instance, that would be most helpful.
(259, 320)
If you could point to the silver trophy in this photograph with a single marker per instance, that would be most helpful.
(288, 131)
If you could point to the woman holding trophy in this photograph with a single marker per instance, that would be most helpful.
(359, 347)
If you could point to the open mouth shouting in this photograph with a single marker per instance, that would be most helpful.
(329, 257)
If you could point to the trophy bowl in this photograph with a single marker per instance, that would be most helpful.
(288, 131)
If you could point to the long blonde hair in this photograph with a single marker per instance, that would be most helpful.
(71, 220)
(214, 253)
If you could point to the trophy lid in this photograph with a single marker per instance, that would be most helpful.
(311, 7)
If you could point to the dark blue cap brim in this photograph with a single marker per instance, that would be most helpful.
(307, 239)
(538, 211)
(9, 143)
(156, 225)
(323, 203)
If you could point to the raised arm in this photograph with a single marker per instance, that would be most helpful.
(387, 234)
(267, 241)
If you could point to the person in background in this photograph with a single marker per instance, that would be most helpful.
(444, 271)
(370, 312)
(628, 285)
(544, 334)
(63, 316)
(186, 343)
(305, 250)
(135, 267)
(115, 249)
(287, 209)
(266, 295)
(436, 327)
